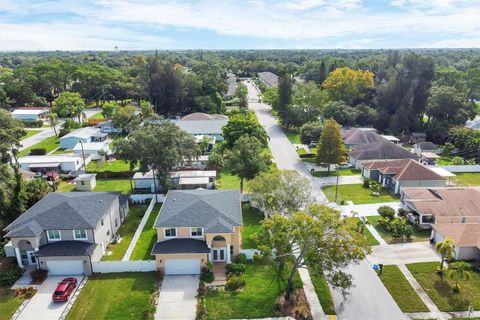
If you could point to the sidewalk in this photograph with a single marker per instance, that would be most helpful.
(312, 298)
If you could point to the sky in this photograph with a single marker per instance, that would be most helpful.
(244, 24)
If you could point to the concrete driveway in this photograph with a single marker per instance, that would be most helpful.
(41, 306)
(403, 253)
(177, 298)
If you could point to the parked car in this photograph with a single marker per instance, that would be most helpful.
(64, 289)
(345, 166)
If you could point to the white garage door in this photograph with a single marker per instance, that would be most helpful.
(65, 267)
(182, 266)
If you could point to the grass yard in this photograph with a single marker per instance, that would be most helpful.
(440, 290)
(9, 303)
(113, 166)
(252, 218)
(444, 160)
(468, 178)
(226, 180)
(114, 296)
(323, 292)
(49, 144)
(343, 172)
(62, 151)
(293, 137)
(263, 284)
(358, 194)
(122, 185)
(30, 133)
(401, 290)
(147, 238)
(418, 234)
(126, 231)
(370, 238)
(97, 116)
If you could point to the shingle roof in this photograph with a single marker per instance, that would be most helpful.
(269, 78)
(381, 149)
(62, 210)
(427, 145)
(200, 116)
(463, 234)
(214, 210)
(355, 136)
(66, 248)
(202, 126)
(180, 245)
(419, 134)
(85, 132)
(404, 169)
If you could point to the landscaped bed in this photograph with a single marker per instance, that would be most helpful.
(126, 231)
(252, 218)
(358, 194)
(418, 234)
(440, 289)
(122, 185)
(401, 290)
(116, 296)
(370, 238)
(263, 284)
(148, 237)
(49, 144)
(9, 303)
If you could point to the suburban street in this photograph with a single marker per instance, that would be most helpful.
(39, 137)
(368, 299)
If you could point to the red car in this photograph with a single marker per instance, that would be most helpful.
(64, 289)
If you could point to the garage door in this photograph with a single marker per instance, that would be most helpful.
(65, 267)
(182, 266)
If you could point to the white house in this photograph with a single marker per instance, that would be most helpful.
(184, 179)
(95, 149)
(86, 134)
(53, 162)
(32, 114)
(107, 127)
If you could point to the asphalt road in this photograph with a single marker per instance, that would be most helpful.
(36, 138)
(368, 299)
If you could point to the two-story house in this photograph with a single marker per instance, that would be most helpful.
(65, 231)
(197, 226)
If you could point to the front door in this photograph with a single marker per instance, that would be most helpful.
(31, 258)
(218, 254)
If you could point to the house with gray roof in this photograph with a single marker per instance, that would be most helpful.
(197, 226)
(84, 135)
(65, 231)
(269, 78)
(207, 125)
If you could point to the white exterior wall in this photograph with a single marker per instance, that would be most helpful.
(105, 233)
(463, 168)
(419, 183)
(124, 266)
(26, 116)
(467, 253)
(70, 142)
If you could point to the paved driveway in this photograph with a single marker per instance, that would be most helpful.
(177, 298)
(41, 306)
(403, 253)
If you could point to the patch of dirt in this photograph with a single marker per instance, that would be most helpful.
(297, 306)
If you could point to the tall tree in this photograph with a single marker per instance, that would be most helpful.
(240, 123)
(36, 189)
(285, 90)
(11, 132)
(242, 94)
(322, 73)
(53, 120)
(123, 116)
(69, 104)
(347, 84)
(108, 109)
(331, 149)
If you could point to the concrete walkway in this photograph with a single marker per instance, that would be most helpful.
(312, 298)
(332, 180)
(178, 298)
(376, 235)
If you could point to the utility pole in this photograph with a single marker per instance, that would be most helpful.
(336, 188)
(83, 156)
(154, 185)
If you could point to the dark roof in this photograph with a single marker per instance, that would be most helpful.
(200, 116)
(214, 210)
(180, 245)
(404, 170)
(123, 199)
(381, 149)
(63, 210)
(418, 134)
(355, 136)
(427, 145)
(66, 248)
(269, 78)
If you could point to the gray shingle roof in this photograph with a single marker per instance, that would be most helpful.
(214, 210)
(355, 136)
(66, 248)
(427, 145)
(202, 126)
(269, 78)
(381, 149)
(62, 210)
(185, 245)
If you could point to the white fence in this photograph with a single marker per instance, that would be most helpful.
(249, 253)
(463, 168)
(144, 197)
(124, 266)
(139, 230)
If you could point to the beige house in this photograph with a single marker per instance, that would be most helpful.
(197, 226)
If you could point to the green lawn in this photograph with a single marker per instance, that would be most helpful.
(97, 116)
(29, 134)
(468, 178)
(401, 290)
(114, 296)
(50, 144)
(343, 172)
(251, 225)
(358, 194)
(323, 292)
(143, 248)
(9, 303)
(418, 234)
(444, 160)
(126, 231)
(226, 180)
(440, 289)
(62, 151)
(122, 185)
(113, 166)
(263, 284)
(371, 239)
(293, 136)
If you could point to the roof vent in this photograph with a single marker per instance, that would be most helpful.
(174, 199)
(101, 201)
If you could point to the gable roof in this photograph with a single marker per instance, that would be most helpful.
(84, 133)
(202, 126)
(269, 78)
(217, 211)
(419, 134)
(404, 170)
(62, 210)
(355, 136)
(427, 145)
(199, 116)
(381, 149)
(463, 234)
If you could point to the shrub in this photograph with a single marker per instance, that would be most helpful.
(408, 231)
(30, 292)
(458, 161)
(38, 275)
(32, 123)
(386, 212)
(236, 268)
(310, 132)
(307, 155)
(241, 258)
(207, 277)
(235, 283)
(38, 152)
(202, 289)
(375, 186)
(63, 132)
(402, 212)
(366, 182)
(10, 275)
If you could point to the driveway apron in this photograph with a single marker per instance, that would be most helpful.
(177, 298)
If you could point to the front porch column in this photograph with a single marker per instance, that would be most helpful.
(209, 253)
(19, 257)
(228, 254)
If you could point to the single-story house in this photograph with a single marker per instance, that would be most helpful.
(203, 124)
(86, 181)
(269, 78)
(417, 137)
(356, 136)
(96, 149)
(426, 146)
(196, 163)
(145, 181)
(85, 135)
(427, 206)
(390, 138)
(197, 226)
(378, 150)
(108, 127)
(65, 231)
(183, 180)
(30, 113)
(397, 174)
(52, 162)
(465, 236)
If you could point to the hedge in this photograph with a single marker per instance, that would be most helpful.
(32, 123)
(307, 155)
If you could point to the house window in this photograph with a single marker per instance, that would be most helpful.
(53, 235)
(116, 222)
(80, 234)
(101, 222)
(82, 183)
(464, 219)
(108, 233)
(231, 251)
(170, 233)
(196, 232)
(428, 219)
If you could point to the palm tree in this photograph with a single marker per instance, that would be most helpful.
(446, 250)
(362, 222)
(53, 119)
(36, 189)
(459, 270)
